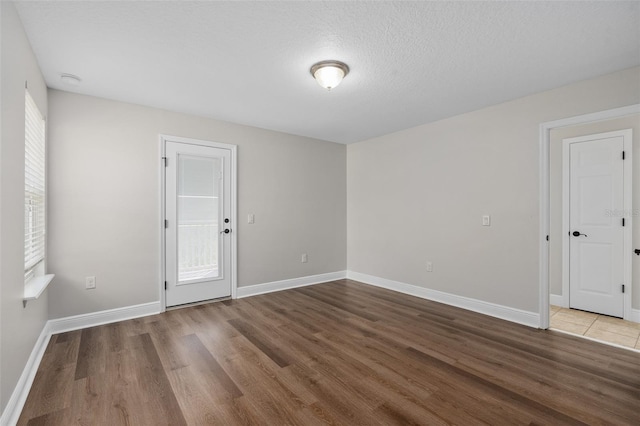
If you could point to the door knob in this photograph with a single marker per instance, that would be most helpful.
(577, 234)
(226, 231)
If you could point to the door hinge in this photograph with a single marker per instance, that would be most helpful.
(165, 285)
(623, 288)
(164, 160)
(623, 221)
(623, 155)
(166, 223)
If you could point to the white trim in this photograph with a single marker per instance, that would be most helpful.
(634, 315)
(519, 316)
(604, 342)
(234, 206)
(593, 117)
(93, 319)
(628, 215)
(543, 273)
(543, 162)
(35, 287)
(566, 209)
(234, 219)
(256, 289)
(14, 407)
(162, 213)
(558, 300)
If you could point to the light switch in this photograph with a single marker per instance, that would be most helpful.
(251, 218)
(486, 220)
(90, 282)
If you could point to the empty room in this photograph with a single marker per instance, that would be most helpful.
(319, 212)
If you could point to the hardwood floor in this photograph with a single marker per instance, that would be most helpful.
(335, 353)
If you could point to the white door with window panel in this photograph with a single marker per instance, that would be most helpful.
(596, 228)
(198, 225)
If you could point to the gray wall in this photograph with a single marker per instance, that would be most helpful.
(418, 195)
(19, 327)
(555, 191)
(104, 182)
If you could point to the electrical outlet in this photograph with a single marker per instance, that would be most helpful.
(304, 258)
(251, 219)
(429, 267)
(90, 283)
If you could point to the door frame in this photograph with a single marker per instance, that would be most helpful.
(627, 198)
(544, 193)
(163, 139)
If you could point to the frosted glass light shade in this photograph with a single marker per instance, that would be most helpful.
(329, 77)
(329, 74)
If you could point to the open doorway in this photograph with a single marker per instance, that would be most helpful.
(580, 307)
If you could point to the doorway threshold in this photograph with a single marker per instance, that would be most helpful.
(597, 327)
(202, 302)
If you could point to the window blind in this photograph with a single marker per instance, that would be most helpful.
(34, 186)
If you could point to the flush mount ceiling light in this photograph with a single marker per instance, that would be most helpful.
(70, 79)
(329, 74)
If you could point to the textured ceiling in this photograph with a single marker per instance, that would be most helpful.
(248, 62)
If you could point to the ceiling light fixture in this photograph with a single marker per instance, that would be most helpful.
(329, 74)
(70, 79)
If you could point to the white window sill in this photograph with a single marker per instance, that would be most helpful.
(35, 287)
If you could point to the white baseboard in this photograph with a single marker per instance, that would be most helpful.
(13, 409)
(635, 315)
(93, 319)
(557, 300)
(254, 290)
(531, 319)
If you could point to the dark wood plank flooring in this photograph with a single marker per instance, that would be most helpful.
(335, 353)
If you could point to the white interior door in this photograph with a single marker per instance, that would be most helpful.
(198, 223)
(596, 228)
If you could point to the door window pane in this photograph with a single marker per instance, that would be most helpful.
(198, 218)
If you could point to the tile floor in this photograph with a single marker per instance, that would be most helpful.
(601, 327)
